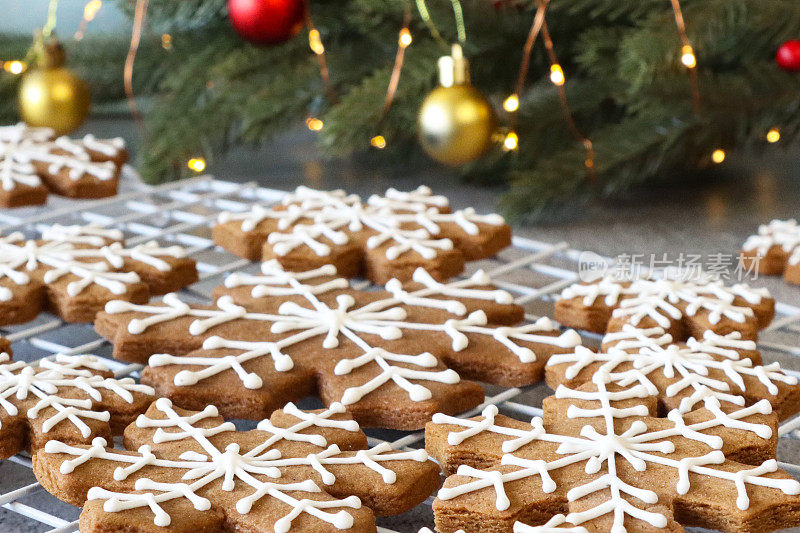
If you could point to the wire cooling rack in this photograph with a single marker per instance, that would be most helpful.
(182, 213)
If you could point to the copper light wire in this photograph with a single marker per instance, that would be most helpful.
(139, 17)
(681, 25)
(324, 73)
(562, 98)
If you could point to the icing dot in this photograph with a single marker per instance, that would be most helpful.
(343, 520)
(252, 381)
(244, 506)
(213, 343)
(345, 366)
(283, 364)
(163, 404)
(202, 504)
(418, 393)
(351, 396)
(186, 377)
(161, 359)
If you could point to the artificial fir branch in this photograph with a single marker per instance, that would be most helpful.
(626, 86)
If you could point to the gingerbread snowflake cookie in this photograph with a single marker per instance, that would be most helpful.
(774, 250)
(682, 307)
(713, 369)
(192, 471)
(34, 161)
(392, 357)
(383, 238)
(74, 270)
(70, 398)
(600, 460)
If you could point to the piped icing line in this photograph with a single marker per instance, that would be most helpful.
(22, 147)
(314, 219)
(232, 467)
(307, 420)
(275, 281)
(794, 259)
(782, 233)
(666, 299)
(20, 132)
(16, 171)
(78, 147)
(21, 381)
(385, 318)
(84, 253)
(419, 199)
(639, 354)
(91, 234)
(637, 445)
(19, 144)
(456, 289)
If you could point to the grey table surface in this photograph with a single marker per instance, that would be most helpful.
(696, 218)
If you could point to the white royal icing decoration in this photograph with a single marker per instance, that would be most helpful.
(661, 299)
(557, 524)
(313, 218)
(642, 352)
(64, 252)
(20, 381)
(782, 233)
(22, 146)
(384, 318)
(18, 144)
(637, 445)
(794, 259)
(234, 468)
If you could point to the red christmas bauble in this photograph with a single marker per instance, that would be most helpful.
(788, 56)
(267, 21)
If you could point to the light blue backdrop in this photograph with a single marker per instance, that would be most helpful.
(23, 16)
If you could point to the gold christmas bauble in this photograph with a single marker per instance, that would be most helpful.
(50, 95)
(456, 122)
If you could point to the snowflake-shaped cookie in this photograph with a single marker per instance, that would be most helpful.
(75, 270)
(775, 249)
(603, 460)
(70, 398)
(299, 471)
(393, 357)
(383, 238)
(682, 307)
(34, 160)
(713, 369)
(557, 524)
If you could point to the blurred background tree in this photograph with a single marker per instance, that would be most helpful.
(649, 112)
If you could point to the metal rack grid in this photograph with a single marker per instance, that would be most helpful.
(182, 213)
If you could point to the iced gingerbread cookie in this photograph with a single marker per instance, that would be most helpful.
(383, 238)
(557, 524)
(392, 357)
(681, 307)
(684, 375)
(69, 398)
(774, 250)
(192, 471)
(33, 162)
(601, 460)
(73, 271)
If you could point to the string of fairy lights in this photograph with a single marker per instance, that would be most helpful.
(511, 104)
(509, 138)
